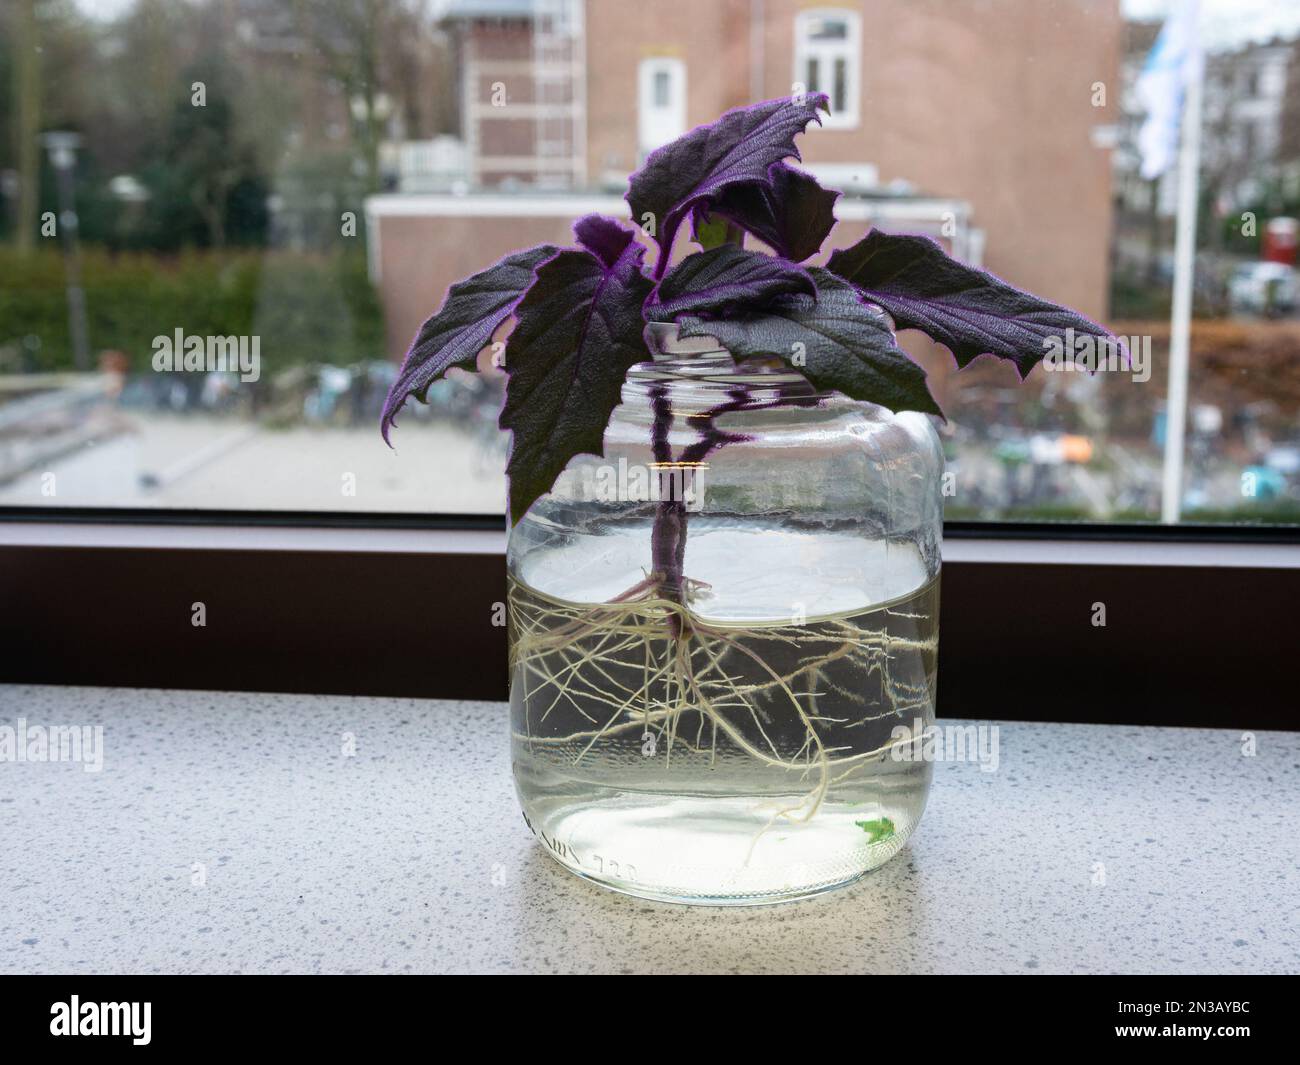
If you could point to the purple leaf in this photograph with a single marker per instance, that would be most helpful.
(793, 215)
(835, 340)
(577, 332)
(603, 237)
(462, 327)
(723, 277)
(739, 147)
(969, 311)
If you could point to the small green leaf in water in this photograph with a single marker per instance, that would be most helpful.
(880, 828)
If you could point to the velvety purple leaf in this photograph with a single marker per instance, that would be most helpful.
(603, 237)
(792, 215)
(835, 340)
(726, 277)
(969, 311)
(576, 334)
(462, 327)
(739, 147)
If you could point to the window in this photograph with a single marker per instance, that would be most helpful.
(662, 96)
(661, 102)
(828, 56)
(261, 227)
(271, 196)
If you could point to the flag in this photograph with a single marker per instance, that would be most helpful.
(1174, 60)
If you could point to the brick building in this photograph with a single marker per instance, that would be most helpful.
(984, 113)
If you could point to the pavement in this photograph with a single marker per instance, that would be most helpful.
(178, 461)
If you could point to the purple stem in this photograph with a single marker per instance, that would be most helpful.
(668, 537)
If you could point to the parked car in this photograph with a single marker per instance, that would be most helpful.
(1269, 289)
(1284, 458)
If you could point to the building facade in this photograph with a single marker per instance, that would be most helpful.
(984, 120)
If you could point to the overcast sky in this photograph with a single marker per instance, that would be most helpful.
(1225, 22)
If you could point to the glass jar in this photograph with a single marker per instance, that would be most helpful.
(723, 635)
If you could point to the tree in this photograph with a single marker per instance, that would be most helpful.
(27, 97)
(206, 185)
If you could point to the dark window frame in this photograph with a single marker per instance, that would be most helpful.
(1017, 642)
(1040, 529)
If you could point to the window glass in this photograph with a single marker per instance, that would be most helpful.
(661, 103)
(661, 88)
(828, 29)
(222, 222)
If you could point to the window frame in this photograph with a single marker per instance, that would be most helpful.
(1045, 530)
(850, 116)
(402, 605)
(93, 593)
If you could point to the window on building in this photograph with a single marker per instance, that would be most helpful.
(661, 102)
(828, 59)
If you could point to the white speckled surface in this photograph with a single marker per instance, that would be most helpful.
(412, 856)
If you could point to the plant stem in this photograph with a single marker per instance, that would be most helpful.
(668, 537)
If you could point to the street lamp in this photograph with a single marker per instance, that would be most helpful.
(62, 147)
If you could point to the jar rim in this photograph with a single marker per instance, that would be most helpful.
(663, 338)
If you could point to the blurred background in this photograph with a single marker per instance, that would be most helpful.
(306, 177)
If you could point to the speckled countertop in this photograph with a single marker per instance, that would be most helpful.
(227, 832)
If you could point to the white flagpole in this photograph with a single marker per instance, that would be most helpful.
(1180, 326)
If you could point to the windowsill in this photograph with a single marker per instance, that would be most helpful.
(1043, 547)
(412, 855)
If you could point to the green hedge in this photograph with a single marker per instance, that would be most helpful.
(305, 307)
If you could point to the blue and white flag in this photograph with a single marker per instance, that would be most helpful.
(1173, 62)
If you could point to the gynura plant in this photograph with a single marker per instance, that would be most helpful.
(580, 312)
(580, 315)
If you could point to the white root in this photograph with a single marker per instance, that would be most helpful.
(581, 654)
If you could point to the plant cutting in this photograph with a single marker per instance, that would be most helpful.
(725, 509)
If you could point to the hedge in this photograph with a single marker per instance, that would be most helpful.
(305, 307)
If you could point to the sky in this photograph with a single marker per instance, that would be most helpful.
(1225, 23)
(1229, 23)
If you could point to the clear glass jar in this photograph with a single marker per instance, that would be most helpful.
(720, 630)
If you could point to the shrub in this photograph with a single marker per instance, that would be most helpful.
(305, 307)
